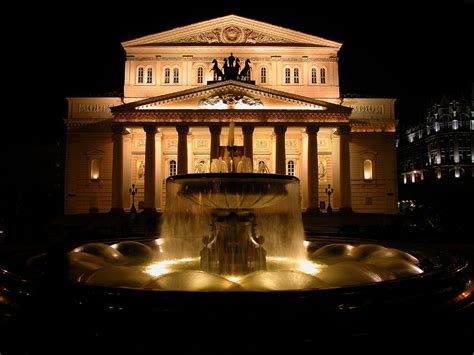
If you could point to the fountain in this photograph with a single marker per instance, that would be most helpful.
(232, 246)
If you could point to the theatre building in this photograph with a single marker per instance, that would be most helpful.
(184, 87)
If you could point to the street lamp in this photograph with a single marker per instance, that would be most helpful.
(329, 191)
(133, 190)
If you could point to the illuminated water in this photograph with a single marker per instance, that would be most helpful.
(235, 232)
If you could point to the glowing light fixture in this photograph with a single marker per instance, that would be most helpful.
(368, 170)
(95, 169)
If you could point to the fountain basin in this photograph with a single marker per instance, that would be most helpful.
(233, 190)
(406, 307)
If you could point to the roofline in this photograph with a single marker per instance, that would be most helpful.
(206, 23)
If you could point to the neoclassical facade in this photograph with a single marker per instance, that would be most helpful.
(175, 113)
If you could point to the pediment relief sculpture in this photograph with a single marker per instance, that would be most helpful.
(232, 34)
(230, 99)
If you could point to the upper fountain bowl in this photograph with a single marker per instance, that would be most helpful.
(231, 191)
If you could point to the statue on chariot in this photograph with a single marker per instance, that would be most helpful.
(231, 69)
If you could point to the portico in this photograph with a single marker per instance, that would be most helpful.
(174, 118)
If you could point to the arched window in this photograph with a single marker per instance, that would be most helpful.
(322, 75)
(167, 75)
(287, 76)
(95, 169)
(200, 75)
(291, 168)
(140, 75)
(296, 75)
(263, 75)
(173, 168)
(149, 76)
(176, 76)
(314, 76)
(368, 169)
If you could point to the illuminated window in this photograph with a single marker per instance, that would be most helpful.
(457, 172)
(167, 75)
(404, 179)
(322, 75)
(287, 76)
(176, 76)
(438, 173)
(291, 168)
(95, 169)
(200, 75)
(314, 77)
(296, 76)
(263, 75)
(436, 126)
(173, 168)
(149, 76)
(472, 125)
(140, 75)
(455, 124)
(368, 169)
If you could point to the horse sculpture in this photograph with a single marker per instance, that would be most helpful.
(245, 72)
(217, 70)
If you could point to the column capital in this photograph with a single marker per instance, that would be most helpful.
(313, 129)
(182, 129)
(279, 129)
(118, 129)
(215, 129)
(248, 129)
(150, 129)
(344, 130)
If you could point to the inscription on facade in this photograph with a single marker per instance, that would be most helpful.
(94, 108)
(370, 109)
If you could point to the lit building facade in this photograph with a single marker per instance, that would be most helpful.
(441, 148)
(175, 113)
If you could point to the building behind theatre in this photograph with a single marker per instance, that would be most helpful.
(175, 113)
(437, 154)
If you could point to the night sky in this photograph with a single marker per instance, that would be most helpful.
(388, 50)
(401, 52)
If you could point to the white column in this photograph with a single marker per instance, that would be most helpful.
(150, 168)
(345, 166)
(127, 170)
(280, 153)
(182, 149)
(158, 172)
(117, 169)
(247, 131)
(215, 141)
(313, 178)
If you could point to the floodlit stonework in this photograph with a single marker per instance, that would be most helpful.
(174, 115)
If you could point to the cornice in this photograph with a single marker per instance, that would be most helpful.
(230, 86)
(203, 117)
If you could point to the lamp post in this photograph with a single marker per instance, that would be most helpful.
(329, 191)
(133, 211)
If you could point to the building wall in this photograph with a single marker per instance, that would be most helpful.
(188, 59)
(379, 194)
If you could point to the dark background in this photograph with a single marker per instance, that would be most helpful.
(390, 49)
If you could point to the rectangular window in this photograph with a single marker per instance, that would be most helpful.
(287, 76)
(313, 76)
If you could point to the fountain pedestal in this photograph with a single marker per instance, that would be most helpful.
(233, 248)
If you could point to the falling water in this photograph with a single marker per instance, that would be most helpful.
(282, 226)
(186, 222)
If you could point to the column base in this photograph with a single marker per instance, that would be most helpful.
(150, 211)
(313, 211)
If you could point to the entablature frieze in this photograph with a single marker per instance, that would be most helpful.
(203, 117)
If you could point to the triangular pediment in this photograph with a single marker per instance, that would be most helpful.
(231, 30)
(231, 94)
